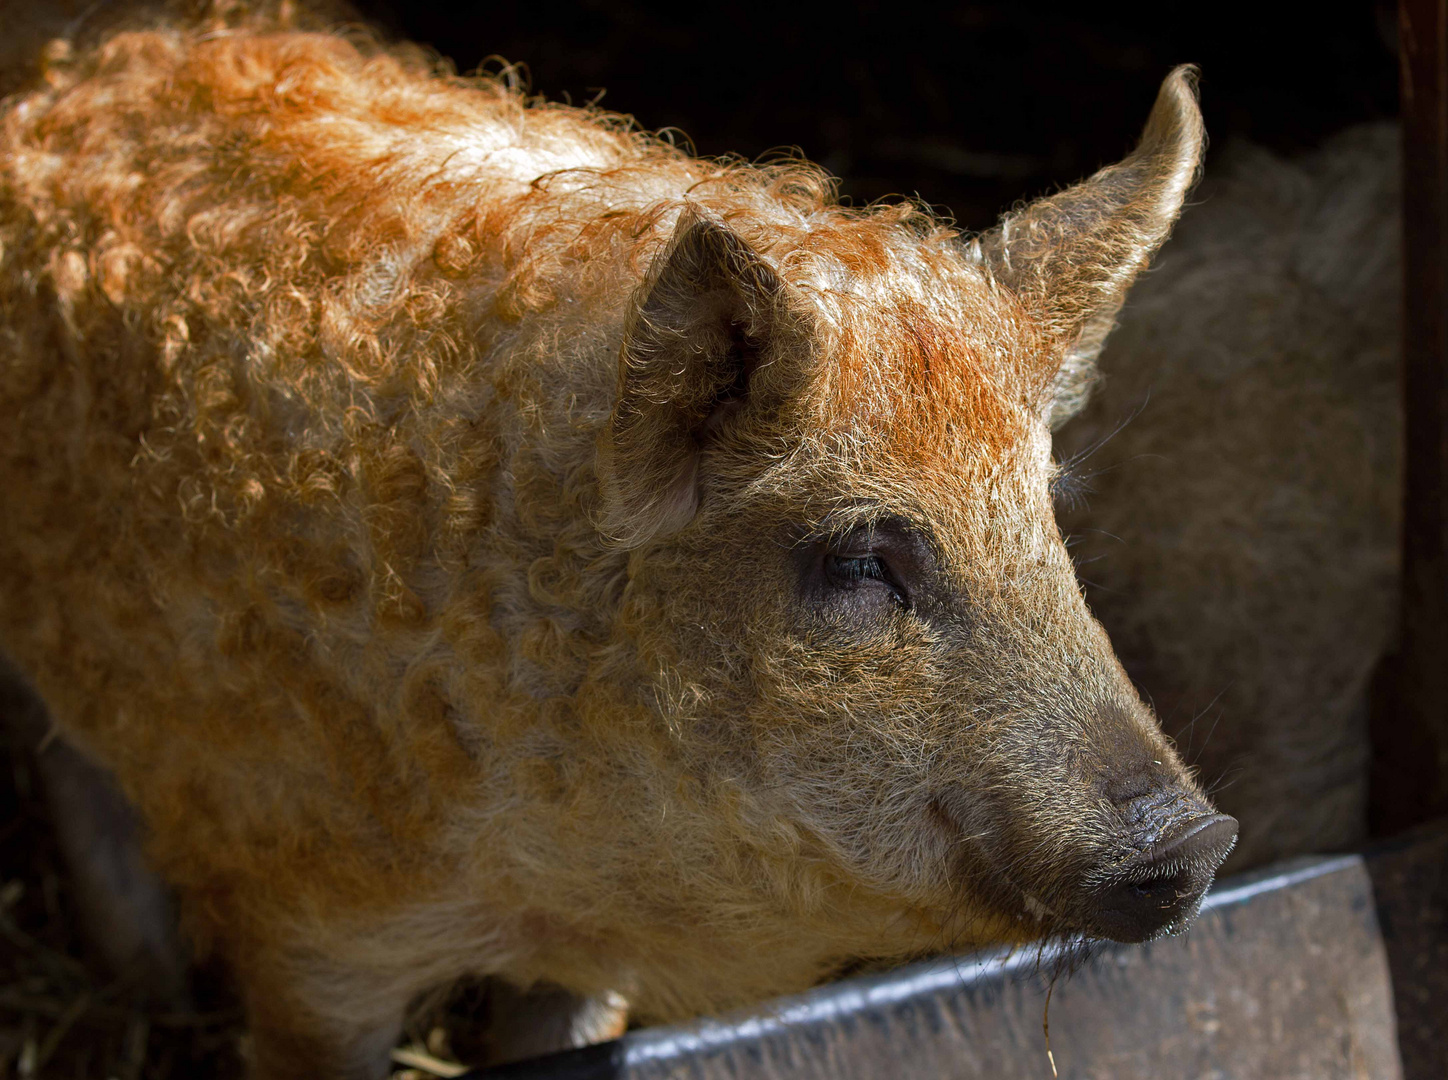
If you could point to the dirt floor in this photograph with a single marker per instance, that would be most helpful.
(969, 105)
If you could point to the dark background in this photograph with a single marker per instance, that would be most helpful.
(972, 106)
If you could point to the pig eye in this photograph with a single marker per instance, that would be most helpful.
(874, 566)
(860, 571)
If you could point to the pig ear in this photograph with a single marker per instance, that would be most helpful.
(1071, 257)
(692, 342)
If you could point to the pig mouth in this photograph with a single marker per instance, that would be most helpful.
(1153, 891)
(985, 884)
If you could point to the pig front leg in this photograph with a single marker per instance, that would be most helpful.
(545, 1019)
(321, 1021)
(329, 1021)
(126, 910)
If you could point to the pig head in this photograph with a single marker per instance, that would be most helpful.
(835, 467)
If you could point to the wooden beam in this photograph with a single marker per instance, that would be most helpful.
(1410, 737)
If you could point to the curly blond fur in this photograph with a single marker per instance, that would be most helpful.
(404, 489)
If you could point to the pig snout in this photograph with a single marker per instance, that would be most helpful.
(1182, 841)
(1094, 826)
(1159, 840)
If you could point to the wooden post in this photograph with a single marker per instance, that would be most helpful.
(1411, 737)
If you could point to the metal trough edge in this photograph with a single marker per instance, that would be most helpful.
(1285, 970)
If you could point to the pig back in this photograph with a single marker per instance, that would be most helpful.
(305, 352)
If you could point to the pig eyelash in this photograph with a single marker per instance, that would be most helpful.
(852, 568)
(853, 571)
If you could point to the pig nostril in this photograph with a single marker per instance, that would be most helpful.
(1206, 840)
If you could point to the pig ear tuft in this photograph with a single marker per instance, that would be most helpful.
(691, 344)
(1071, 257)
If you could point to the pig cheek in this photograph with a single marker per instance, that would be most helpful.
(1042, 824)
(842, 711)
(842, 731)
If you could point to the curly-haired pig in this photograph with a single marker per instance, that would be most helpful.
(479, 537)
